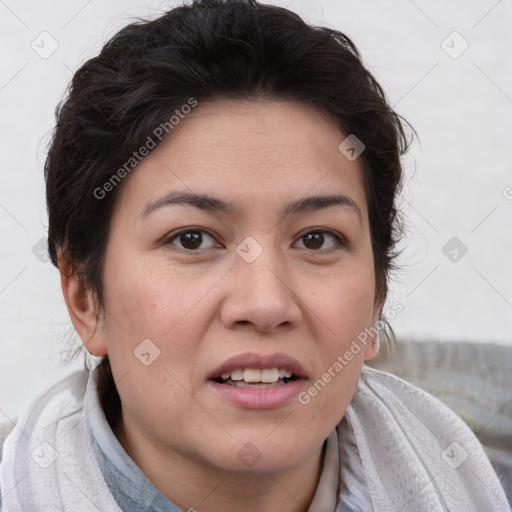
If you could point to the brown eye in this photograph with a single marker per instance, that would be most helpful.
(314, 240)
(189, 239)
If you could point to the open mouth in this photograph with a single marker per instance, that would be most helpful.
(255, 378)
(258, 381)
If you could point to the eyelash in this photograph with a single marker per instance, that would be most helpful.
(339, 240)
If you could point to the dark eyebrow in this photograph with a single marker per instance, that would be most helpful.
(319, 202)
(201, 201)
(209, 203)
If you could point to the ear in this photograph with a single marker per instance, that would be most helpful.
(373, 343)
(81, 306)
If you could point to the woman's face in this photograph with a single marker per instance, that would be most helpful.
(257, 276)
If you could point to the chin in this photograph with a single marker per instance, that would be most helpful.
(259, 454)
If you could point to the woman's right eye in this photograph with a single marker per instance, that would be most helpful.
(189, 239)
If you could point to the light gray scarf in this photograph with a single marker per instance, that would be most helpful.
(397, 449)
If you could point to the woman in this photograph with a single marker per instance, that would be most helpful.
(221, 190)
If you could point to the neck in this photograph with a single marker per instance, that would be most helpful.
(195, 487)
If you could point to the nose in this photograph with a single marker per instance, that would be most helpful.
(261, 294)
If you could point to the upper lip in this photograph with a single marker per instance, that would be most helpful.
(261, 361)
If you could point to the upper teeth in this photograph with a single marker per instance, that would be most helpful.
(257, 375)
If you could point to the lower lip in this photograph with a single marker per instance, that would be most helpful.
(258, 398)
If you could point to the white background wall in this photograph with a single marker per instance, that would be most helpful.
(459, 175)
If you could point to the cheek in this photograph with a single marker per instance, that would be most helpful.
(346, 305)
(146, 298)
(346, 309)
(150, 336)
(150, 300)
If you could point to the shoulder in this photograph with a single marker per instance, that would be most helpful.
(5, 430)
(37, 448)
(63, 398)
(384, 395)
(408, 440)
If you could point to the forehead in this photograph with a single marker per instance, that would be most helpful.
(250, 151)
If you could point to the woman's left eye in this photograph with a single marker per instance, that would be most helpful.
(316, 238)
